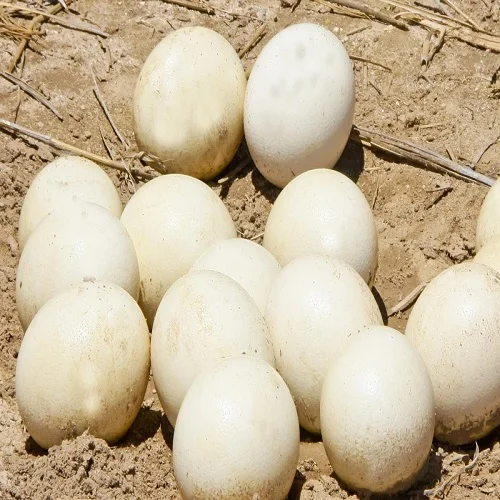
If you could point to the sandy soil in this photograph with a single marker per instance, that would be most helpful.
(454, 107)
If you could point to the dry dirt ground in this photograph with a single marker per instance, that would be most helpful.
(453, 107)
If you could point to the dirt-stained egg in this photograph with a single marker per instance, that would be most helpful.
(377, 412)
(83, 365)
(188, 103)
(454, 326)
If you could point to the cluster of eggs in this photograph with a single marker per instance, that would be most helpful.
(246, 342)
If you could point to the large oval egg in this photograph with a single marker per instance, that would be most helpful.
(188, 103)
(299, 103)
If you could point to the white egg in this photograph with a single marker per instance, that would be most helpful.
(188, 103)
(488, 221)
(489, 254)
(80, 242)
(83, 365)
(323, 211)
(66, 179)
(172, 220)
(204, 317)
(299, 103)
(377, 412)
(237, 434)
(315, 305)
(247, 262)
(455, 327)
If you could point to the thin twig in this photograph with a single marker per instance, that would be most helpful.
(35, 23)
(441, 193)
(483, 151)
(62, 146)
(76, 23)
(231, 175)
(10, 28)
(457, 9)
(438, 45)
(105, 142)
(380, 16)
(375, 195)
(64, 6)
(355, 32)
(440, 490)
(257, 237)
(460, 30)
(342, 10)
(369, 61)
(416, 154)
(259, 34)
(100, 100)
(31, 91)
(191, 6)
(426, 50)
(408, 300)
(440, 7)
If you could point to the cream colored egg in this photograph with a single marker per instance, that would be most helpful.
(83, 365)
(455, 326)
(66, 179)
(488, 222)
(188, 103)
(377, 412)
(204, 317)
(323, 211)
(489, 254)
(315, 305)
(172, 220)
(299, 103)
(237, 435)
(247, 262)
(81, 242)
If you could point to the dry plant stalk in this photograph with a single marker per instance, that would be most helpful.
(105, 109)
(455, 28)
(259, 34)
(191, 6)
(8, 27)
(379, 16)
(73, 23)
(35, 23)
(407, 301)
(342, 10)
(31, 92)
(416, 154)
(440, 491)
(62, 146)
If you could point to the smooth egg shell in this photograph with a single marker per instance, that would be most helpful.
(247, 262)
(377, 412)
(237, 434)
(323, 211)
(204, 317)
(60, 182)
(81, 242)
(315, 305)
(172, 220)
(299, 103)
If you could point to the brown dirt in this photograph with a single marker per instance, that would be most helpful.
(453, 107)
